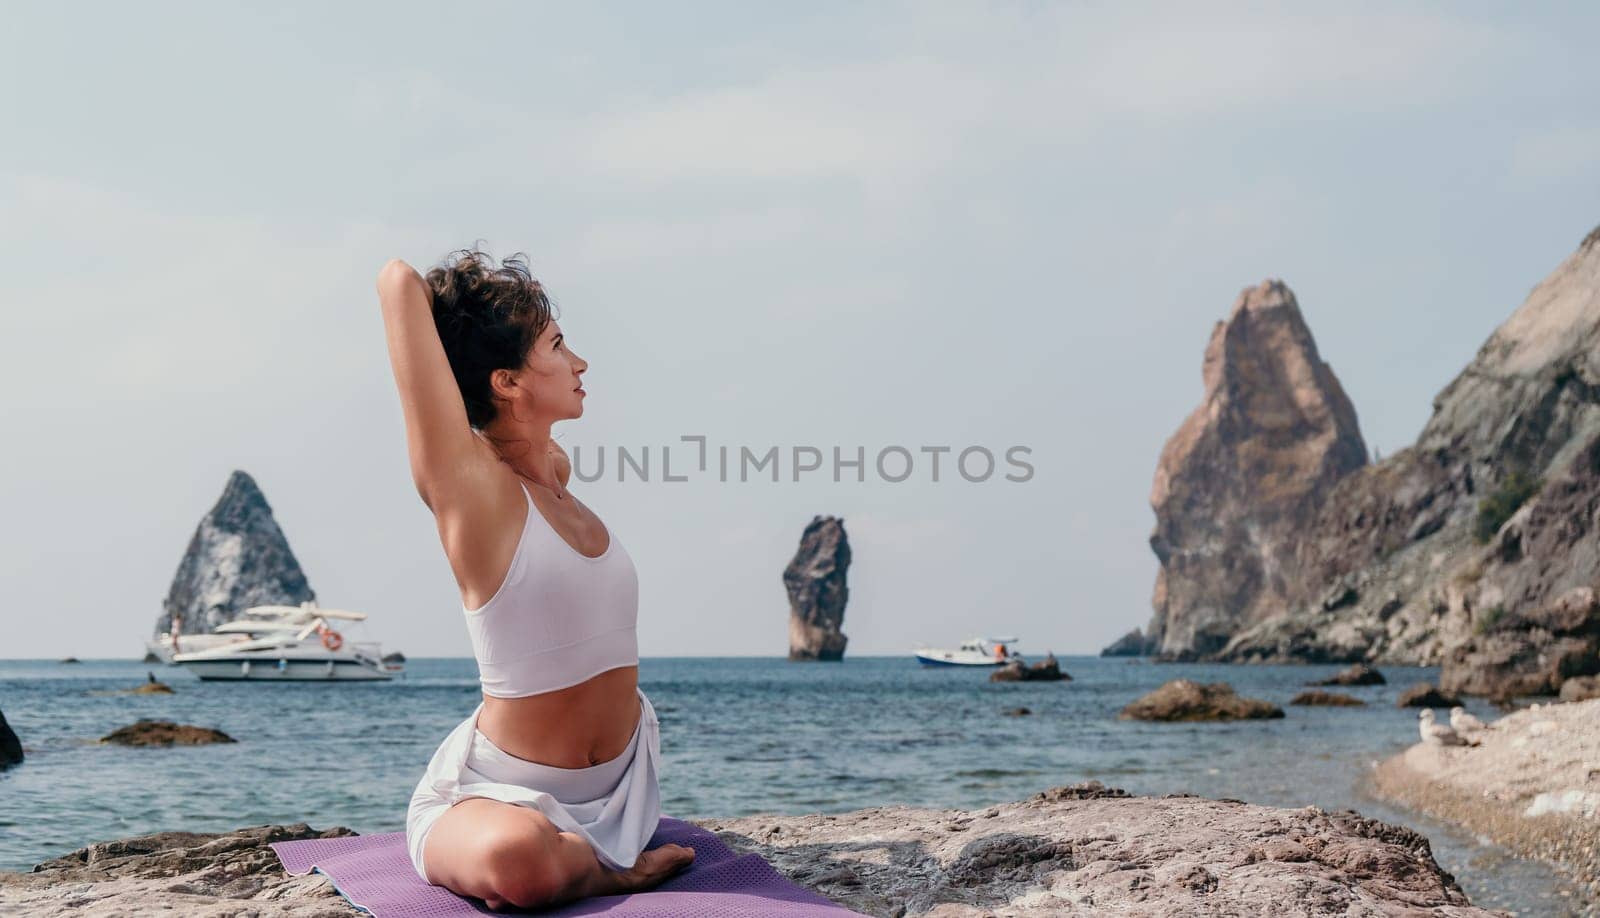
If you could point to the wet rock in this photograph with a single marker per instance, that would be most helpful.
(816, 582)
(1046, 670)
(148, 732)
(1424, 695)
(1186, 700)
(1357, 674)
(10, 746)
(1327, 699)
(70, 660)
(1132, 644)
(1580, 688)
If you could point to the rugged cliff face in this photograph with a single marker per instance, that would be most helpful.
(815, 580)
(238, 558)
(1483, 524)
(1238, 482)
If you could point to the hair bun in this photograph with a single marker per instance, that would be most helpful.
(488, 317)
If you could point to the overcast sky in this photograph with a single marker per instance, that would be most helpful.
(861, 225)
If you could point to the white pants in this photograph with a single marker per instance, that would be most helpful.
(614, 806)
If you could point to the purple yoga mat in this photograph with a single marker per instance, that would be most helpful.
(374, 872)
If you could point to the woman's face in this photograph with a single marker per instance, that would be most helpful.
(548, 385)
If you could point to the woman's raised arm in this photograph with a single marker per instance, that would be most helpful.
(439, 441)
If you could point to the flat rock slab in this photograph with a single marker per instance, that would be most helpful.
(1083, 850)
(1088, 850)
(177, 873)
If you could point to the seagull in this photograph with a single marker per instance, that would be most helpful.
(1462, 722)
(1437, 734)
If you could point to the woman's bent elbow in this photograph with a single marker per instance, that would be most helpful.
(395, 274)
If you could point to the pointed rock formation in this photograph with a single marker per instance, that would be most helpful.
(1467, 537)
(238, 558)
(815, 580)
(1132, 644)
(1244, 474)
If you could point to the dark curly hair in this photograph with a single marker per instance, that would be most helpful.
(487, 318)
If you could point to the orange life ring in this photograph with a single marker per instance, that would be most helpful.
(332, 640)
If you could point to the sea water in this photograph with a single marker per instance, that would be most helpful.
(738, 736)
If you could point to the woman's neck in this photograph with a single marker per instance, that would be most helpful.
(528, 454)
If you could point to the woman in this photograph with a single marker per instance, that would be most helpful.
(547, 791)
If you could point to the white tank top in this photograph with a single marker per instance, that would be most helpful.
(559, 618)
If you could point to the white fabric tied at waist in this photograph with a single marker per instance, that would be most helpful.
(614, 805)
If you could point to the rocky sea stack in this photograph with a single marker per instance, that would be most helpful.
(1487, 518)
(1244, 474)
(815, 581)
(1278, 542)
(238, 558)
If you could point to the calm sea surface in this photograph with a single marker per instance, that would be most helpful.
(739, 736)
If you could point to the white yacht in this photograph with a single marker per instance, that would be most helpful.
(280, 644)
(992, 651)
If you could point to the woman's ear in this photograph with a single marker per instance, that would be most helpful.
(503, 384)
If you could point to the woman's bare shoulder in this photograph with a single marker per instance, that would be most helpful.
(478, 490)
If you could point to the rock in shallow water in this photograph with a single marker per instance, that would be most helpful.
(1046, 670)
(165, 733)
(1424, 695)
(1186, 700)
(1084, 849)
(1358, 674)
(1327, 699)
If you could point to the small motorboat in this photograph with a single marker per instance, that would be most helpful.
(282, 644)
(972, 652)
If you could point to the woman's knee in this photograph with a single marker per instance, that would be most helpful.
(521, 863)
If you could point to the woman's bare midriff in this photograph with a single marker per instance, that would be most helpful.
(575, 727)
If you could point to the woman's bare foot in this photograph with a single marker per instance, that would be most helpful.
(652, 867)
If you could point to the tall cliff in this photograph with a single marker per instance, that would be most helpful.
(816, 583)
(1240, 479)
(236, 559)
(1483, 526)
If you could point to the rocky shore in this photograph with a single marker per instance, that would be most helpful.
(1085, 849)
(1532, 784)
